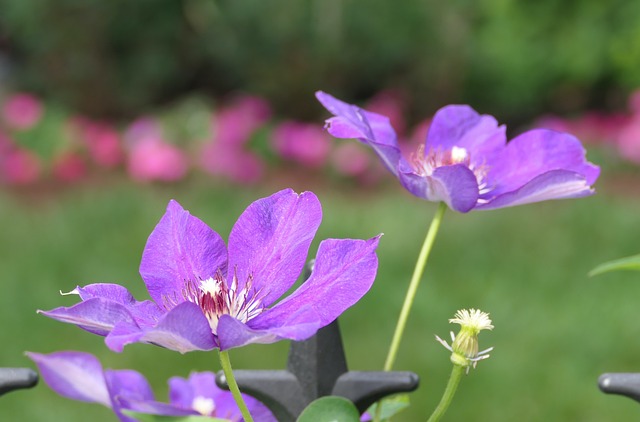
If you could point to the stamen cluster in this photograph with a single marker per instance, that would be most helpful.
(216, 297)
(426, 162)
(464, 346)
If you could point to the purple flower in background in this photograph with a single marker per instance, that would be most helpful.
(80, 376)
(206, 295)
(466, 162)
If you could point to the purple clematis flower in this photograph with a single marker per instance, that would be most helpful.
(466, 161)
(79, 376)
(206, 295)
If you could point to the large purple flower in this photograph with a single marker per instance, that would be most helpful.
(466, 161)
(79, 376)
(207, 296)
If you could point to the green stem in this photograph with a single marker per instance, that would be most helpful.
(449, 392)
(233, 386)
(411, 294)
(413, 286)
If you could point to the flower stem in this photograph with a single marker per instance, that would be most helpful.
(449, 392)
(413, 286)
(233, 385)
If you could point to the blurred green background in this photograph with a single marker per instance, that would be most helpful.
(556, 329)
(506, 57)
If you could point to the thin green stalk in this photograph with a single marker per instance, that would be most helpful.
(449, 392)
(411, 294)
(233, 385)
(413, 286)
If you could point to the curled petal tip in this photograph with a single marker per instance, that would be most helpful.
(72, 292)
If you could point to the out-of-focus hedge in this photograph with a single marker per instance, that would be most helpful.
(505, 57)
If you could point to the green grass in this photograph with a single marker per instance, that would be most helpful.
(556, 329)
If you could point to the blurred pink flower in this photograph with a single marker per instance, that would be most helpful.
(19, 167)
(305, 143)
(141, 128)
(22, 111)
(101, 140)
(225, 154)
(154, 159)
(351, 159)
(232, 163)
(69, 167)
(235, 122)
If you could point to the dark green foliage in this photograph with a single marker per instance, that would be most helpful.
(506, 57)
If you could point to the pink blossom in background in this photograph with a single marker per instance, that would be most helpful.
(19, 167)
(101, 140)
(21, 111)
(225, 154)
(629, 135)
(350, 159)
(236, 121)
(232, 163)
(390, 103)
(154, 159)
(69, 167)
(141, 128)
(306, 143)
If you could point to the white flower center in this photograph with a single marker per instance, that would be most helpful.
(216, 298)
(203, 405)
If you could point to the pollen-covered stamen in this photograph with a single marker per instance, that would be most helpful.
(216, 298)
(425, 163)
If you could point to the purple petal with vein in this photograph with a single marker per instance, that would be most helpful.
(97, 315)
(343, 272)
(180, 248)
(370, 128)
(271, 239)
(74, 375)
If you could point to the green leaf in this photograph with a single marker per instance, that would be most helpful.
(390, 406)
(144, 417)
(629, 263)
(330, 409)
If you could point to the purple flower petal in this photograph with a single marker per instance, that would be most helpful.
(270, 241)
(126, 383)
(343, 272)
(181, 247)
(201, 387)
(373, 129)
(97, 315)
(184, 328)
(536, 152)
(555, 184)
(297, 326)
(461, 126)
(455, 185)
(74, 375)
(145, 312)
(152, 407)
